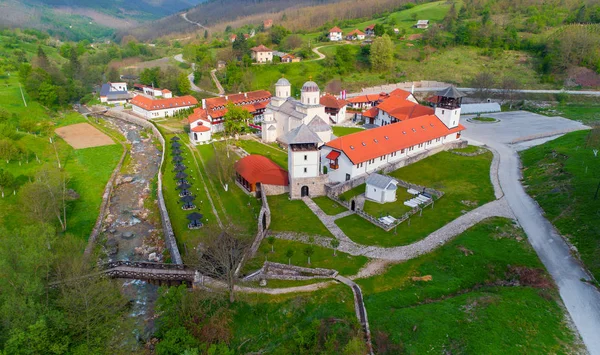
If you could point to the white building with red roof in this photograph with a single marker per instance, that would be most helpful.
(334, 108)
(261, 54)
(211, 114)
(335, 34)
(348, 157)
(151, 108)
(355, 35)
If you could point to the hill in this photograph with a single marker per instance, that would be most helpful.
(86, 19)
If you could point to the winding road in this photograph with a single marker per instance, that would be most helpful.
(179, 58)
(184, 16)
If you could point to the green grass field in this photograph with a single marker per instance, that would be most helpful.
(395, 209)
(562, 176)
(254, 147)
(294, 216)
(322, 257)
(344, 131)
(465, 308)
(329, 206)
(464, 180)
(347, 196)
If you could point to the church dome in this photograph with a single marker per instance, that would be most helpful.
(282, 82)
(310, 86)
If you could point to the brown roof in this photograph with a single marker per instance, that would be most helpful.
(260, 48)
(216, 107)
(329, 100)
(335, 29)
(370, 27)
(149, 104)
(257, 168)
(357, 32)
(373, 143)
(367, 98)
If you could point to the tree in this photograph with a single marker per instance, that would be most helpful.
(335, 244)
(271, 241)
(150, 76)
(236, 119)
(8, 150)
(205, 34)
(379, 30)
(509, 87)
(278, 33)
(482, 83)
(308, 252)
(113, 75)
(222, 164)
(240, 45)
(382, 53)
(221, 257)
(47, 196)
(183, 84)
(289, 253)
(7, 180)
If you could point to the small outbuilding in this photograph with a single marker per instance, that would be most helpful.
(258, 174)
(381, 188)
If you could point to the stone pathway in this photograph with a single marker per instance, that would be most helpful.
(497, 208)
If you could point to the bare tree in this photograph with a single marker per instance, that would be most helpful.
(220, 258)
(47, 196)
(482, 83)
(222, 164)
(509, 87)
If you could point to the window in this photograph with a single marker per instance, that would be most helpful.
(347, 177)
(305, 157)
(402, 151)
(442, 112)
(305, 170)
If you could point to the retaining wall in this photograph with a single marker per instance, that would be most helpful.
(164, 214)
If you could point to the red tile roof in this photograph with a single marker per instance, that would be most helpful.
(166, 91)
(291, 56)
(371, 113)
(257, 168)
(199, 114)
(370, 27)
(373, 143)
(233, 36)
(357, 32)
(402, 109)
(329, 100)
(335, 29)
(149, 104)
(200, 129)
(333, 155)
(260, 48)
(367, 98)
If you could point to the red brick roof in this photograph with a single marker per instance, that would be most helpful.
(402, 109)
(373, 143)
(357, 32)
(371, 113)
(329, 100)
(149, 104)
(370, 27)
(200, 129)
(257, 168)
(260, 48)
(367, 98)
(199, 114)
(335, 29)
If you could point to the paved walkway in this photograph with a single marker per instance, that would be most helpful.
(497, 208)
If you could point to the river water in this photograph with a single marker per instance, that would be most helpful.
(132, 224)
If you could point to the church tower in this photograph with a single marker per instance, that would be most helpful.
(304, 162)
(310, 93)
(283, 90)
(447, 106)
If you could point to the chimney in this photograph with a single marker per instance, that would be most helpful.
(204, 104)
(246, 95)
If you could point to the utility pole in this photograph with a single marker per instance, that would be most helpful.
(22, 95)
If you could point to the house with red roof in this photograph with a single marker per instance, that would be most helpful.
(151, 108)
(211, 114)
(355, 35)
(261, 54)
(370, 30)
(365, 102)
(335, 108)
(335, 34)
(394, 144)
(267, 24)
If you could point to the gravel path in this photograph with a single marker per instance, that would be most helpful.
(497, 208)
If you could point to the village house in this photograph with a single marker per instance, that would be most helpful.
(368, 151)
(285, 113)
(232, 37)
(261, 54)
(150, 108)
(381, 188)
(289, 58)
(355, 35)
(365, 102)
(335, 34)
(114, 93)
(370, 30)
(335, 108)
(211, 115)
(400, 105)
(422, 24)
(152, 91)
(267, 24)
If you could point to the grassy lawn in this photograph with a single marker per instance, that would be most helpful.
(294, 216)
(586, 112)
(347, 196)
(329, 206)
(484, 119)
(465, 182)
(322, 257)
(562, 176)
(344, 131)
(474, 313)
(467, 149)
(395, 209)
(275, 154)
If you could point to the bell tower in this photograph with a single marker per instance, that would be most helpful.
(447, 106)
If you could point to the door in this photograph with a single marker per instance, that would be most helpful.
(353, 205)
(304, 191)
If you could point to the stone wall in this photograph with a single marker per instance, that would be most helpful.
(170, 240)
(277, 271)
(271, 190)
(334, 189)
(316, 186)
(265, 212)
